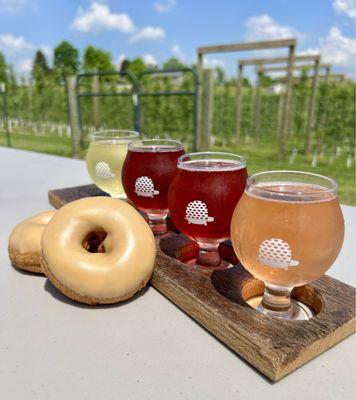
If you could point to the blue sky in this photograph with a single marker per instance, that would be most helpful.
(159, 29)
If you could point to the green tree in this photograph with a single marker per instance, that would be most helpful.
(96, 59)
(135, 66)
(3, 75)
(266, 81)
(40, 69)
(246, 83)
(66, 59)
(174, 63)
(124, 65)
(11, 76)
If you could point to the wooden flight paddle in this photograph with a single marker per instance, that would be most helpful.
(217, 300)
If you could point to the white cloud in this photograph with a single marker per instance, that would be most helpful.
(99, 17)
(25, 66)
(12, 6)
(264, 27)
(148, 33)
(165, 6)
(347, 7)
(178, 53)
(13, 44)
(339, 50)
(149, 59)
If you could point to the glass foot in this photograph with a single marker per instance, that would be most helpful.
(297, 312)
(157, 222)
(194, 264)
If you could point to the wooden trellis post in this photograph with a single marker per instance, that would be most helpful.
(238, 103)
(206, 110)
(95, 88)
(257, 108)
(286, 104)
(279, 60)
(73, 110)
(311, 108)
(262, 45)
(279, 116)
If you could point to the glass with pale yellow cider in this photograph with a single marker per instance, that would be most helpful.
(287, 230)
(105, 158)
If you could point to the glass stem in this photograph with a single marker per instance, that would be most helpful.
(208, 254)
(276, 299)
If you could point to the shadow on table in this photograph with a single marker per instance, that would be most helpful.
(54, 292)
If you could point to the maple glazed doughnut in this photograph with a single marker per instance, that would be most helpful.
(25, 242)
(98, 250)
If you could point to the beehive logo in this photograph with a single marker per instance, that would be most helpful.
(103, 170)
(144, 187)
(196, 213)
(277, 254)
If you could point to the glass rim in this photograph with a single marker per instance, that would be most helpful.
(114, 134)
(184, 161)
(155, 145)
(331, 189)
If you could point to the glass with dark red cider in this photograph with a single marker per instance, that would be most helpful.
(147, 173)
(202, 198)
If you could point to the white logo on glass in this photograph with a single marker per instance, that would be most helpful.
(144, 187)
(103, 170)
(276, 253)
(196, 213)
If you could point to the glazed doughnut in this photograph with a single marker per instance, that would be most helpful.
(25, 242)
(98, 250)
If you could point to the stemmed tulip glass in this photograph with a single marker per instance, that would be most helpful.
(202, 198)
(287, 230)
(105, 158)
(148, 171)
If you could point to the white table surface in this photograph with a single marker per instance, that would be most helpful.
(52, 348)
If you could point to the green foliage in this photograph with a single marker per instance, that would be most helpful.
(11, 76)
(135, 66)
(246, 83)
(124, 65)
(3, 74)
(96, 59)
(174, 63)
(40, 70)
(266, 81)
(66, 59)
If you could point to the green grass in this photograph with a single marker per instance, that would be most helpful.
(260, 157)
(42, 144)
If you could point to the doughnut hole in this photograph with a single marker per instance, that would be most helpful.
(93, 241)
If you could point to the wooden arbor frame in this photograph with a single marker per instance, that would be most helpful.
(260, 63)
(205, 120)
(339, 77)
(312, 98)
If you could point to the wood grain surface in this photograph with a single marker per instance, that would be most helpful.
(216, 299)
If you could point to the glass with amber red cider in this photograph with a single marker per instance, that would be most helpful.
(202, 198)
(148, 171)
